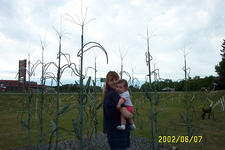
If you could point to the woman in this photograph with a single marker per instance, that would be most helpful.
(118, 140)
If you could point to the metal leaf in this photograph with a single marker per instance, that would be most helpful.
(53, 125)
(76, 129)
(64, 108)
(93, 81)
(87, 86)
(76, 83)
(183, 117)
(192, 131)
(156, 101)
(24, 123)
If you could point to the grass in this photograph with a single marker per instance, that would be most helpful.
(14, 135)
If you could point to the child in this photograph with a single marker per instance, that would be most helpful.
(122, 89)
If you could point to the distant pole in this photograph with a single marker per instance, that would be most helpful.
(132, 78)
(121, 61)
(121, 73)
(155, 74)
(121, 66)
(149, 57)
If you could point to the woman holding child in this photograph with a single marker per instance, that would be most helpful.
(117, 139)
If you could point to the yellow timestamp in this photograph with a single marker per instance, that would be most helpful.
(179, 139)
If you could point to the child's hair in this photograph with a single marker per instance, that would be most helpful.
(125, 84)
(110, 75)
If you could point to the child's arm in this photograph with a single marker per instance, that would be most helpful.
(121, 101)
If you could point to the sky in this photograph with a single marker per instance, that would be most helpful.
(190, 28)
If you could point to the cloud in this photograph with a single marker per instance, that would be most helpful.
(197, 26)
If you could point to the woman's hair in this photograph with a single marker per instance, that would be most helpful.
(110, 75)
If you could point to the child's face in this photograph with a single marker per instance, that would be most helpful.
(120, 88)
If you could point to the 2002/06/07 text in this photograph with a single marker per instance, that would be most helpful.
(181, 139)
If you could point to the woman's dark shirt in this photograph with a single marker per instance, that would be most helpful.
(111, 115)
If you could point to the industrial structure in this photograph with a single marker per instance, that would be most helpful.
(21, 84)
(15, 85)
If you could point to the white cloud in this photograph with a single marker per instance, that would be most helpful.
(177, 24)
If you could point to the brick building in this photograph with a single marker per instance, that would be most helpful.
(15, 85)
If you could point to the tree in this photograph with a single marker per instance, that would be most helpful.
(220, 68)
(133, 88)
(145, 87)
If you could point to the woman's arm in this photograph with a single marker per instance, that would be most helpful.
(114, 99)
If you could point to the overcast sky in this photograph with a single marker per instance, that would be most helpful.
(120, 27)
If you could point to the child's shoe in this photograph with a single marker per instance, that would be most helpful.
(121, 127)
(132, 127)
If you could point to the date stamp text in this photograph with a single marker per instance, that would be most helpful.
(179, 139)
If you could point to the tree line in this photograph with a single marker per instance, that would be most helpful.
(194, 84)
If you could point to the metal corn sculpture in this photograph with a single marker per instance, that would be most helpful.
(153, 113)
(186, 118)
(30, 72)
(79, 123)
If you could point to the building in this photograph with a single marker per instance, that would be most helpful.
(15, 85)
(168, 89)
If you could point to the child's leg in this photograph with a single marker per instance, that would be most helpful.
(126, 113)
(122, 120)
(132, 125)
(130, 121)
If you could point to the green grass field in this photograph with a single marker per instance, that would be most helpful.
(14, 135)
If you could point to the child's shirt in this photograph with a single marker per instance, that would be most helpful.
(126, 96)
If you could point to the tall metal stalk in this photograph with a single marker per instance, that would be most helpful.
(81, 108)
(84, 47)
(187, 101)
(30, 72)
(42, 96)
(29, 102)
(58, 95)
(95, 97)
(95, 104)
(148, 59)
